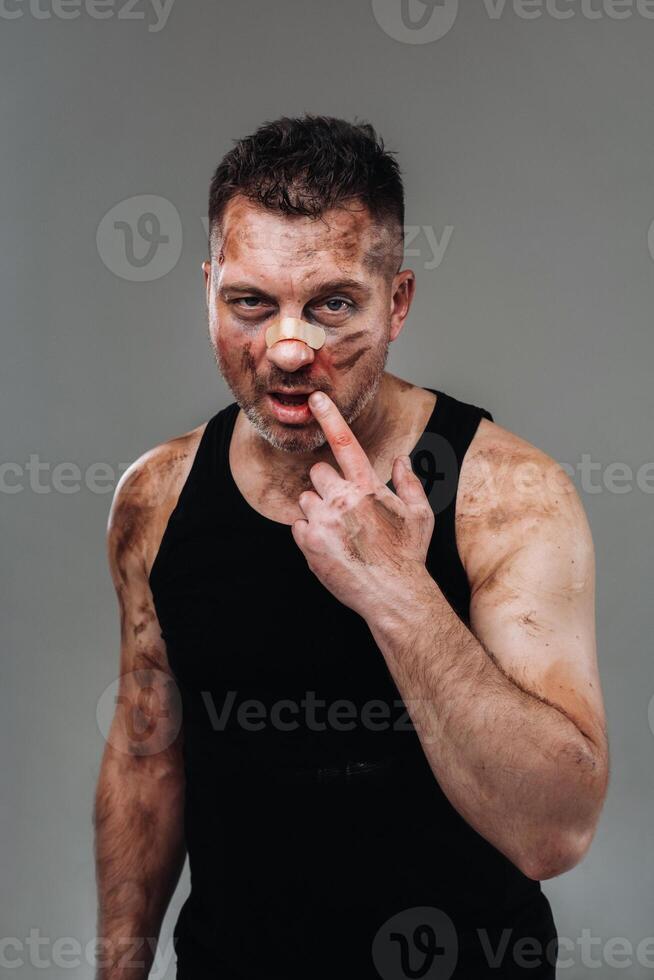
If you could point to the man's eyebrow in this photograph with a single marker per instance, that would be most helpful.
(242, 287)
(339, 285)
(321, 289)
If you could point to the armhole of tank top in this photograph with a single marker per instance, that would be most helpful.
(481, 413)
(164, 542)
(224, 440)
(444, 418)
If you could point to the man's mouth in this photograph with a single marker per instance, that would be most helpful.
(288, 398)
(291, 407)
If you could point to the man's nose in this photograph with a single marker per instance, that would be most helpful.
(290, 355)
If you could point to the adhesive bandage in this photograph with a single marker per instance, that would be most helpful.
(290, 328)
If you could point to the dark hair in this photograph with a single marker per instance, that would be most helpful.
(306, 165)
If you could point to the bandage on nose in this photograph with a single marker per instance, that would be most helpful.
(290, 328)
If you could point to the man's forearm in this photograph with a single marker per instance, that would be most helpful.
(517, 768)
(139, 853)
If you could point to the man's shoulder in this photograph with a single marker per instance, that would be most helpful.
(508, 488)
(147, 493)
(501, 460)
(151, 477)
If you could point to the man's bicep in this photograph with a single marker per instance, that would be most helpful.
(147, 719)
(533, 609)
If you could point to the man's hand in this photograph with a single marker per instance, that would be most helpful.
(360, 539)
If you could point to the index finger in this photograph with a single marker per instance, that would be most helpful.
(347, 450)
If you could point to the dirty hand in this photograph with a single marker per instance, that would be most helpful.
(362, 541)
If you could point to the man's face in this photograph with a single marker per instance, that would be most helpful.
(335, 272)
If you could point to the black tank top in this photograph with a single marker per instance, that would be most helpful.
(319, 841)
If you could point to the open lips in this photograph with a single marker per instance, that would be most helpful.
(291, 398)
(290, 406)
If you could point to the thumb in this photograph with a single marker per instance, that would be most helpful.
(407, 485)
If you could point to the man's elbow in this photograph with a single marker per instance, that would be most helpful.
(557, 856)
(563, 850)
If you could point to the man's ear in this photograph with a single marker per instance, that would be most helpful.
(206, 268)
(402, 292)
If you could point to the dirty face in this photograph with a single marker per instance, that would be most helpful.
(338, 272)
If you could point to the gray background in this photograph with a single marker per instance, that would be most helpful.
(532, 138)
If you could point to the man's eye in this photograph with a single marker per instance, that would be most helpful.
(337, 305)
(249, 301)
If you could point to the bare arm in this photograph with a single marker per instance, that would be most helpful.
(138, 811)
(510, 712)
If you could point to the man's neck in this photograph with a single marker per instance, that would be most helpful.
(272, 480)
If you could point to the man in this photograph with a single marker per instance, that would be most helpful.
(357, 624)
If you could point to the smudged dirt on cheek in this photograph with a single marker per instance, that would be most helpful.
(248, 363)
(348, 362)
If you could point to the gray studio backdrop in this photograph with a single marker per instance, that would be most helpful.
(526, 138)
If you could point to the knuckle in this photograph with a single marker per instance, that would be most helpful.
(343, 440)
(341, 501)
(425, 510)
